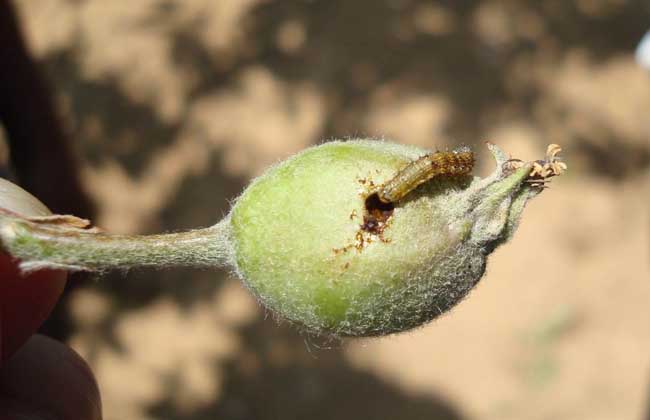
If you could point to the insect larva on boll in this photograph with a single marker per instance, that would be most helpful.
(419, 171)
(294, 235)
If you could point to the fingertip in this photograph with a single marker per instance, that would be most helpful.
(49, 376)
(16, 410)
(25, 302)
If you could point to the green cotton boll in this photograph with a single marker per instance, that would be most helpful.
(302, 243)
(357, 238)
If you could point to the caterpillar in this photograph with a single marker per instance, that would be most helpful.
(421, 170)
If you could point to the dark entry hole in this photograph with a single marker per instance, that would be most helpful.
(376, 214)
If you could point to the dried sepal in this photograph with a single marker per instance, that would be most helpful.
(542, 170)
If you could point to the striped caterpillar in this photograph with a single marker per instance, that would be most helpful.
(423, 169)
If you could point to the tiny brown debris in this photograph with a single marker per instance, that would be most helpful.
(342, 250)
(376, 218)
(367, 182)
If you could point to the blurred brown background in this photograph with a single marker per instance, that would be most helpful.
(173, 105)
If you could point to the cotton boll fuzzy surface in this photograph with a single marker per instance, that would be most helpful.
(314, 241)
(302, 243)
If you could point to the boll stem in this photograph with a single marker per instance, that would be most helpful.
(41, 245)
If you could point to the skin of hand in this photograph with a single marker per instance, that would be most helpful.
(40, 378)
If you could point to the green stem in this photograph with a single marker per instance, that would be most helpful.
(39, 246)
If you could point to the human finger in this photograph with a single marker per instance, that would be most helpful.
(47, 380)
(25, 300)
